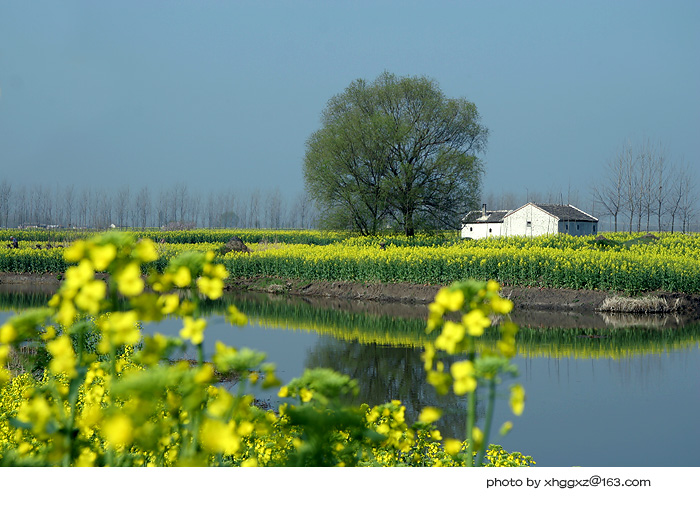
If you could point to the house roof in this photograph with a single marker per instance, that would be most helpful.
(567, 212)
(562, 212)
(477, 217)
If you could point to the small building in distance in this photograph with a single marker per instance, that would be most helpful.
(529, 220)
(483, 224)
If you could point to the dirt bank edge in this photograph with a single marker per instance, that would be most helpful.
(533, 298)
(545, 299)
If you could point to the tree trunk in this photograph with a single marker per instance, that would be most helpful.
(408, 224)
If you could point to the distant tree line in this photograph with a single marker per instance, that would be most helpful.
(176, 205)
(640, 189)
(643, 189)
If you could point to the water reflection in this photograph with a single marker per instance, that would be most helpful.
(602, 390)
(384, 373)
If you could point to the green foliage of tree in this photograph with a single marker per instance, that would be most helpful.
(395, 152)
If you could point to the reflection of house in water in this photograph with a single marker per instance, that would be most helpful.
(529, 220)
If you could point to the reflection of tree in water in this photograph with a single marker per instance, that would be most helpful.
(386, 373)
(24, 298)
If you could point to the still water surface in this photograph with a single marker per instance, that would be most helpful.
(596, 396)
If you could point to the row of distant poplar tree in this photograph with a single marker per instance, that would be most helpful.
(644, 189)
(175, 206)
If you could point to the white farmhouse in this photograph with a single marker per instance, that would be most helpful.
(483, 224)
(529, 220)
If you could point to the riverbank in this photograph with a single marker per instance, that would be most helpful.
(524, 298)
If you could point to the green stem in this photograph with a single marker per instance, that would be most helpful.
(200, 354)
(73, 391)
(194, 293)
(471, 415)
(242, 379)
(488, 422)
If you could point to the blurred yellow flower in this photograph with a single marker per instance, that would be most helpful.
(235, 317)
(86, 459)
(451, 337)
(477, 438)
(129, 280)
(66, 313)
(205, 374)
(452, 446)
(505, 428)
(475, 321)
(75, 251)
(215, 270)
(463, 375)
(118, 431)
(193, 329)
(429, 415)
(441, 381)
(64, 359)
(119, 328)
(77, 276)
(450, 300)
(211, 287)
(8, 334)
(501, 306)
(49, 333)
(37, 412)
(168, 303)
(145, 250)
(102, 256)
(182, 277)
(221, 404)
(305, 395)
(218, 437)
(90, 295)
(517, 399)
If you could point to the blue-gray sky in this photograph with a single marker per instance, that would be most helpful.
(225, 93)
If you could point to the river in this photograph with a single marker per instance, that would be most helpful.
(601, 391)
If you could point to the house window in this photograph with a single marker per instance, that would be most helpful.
(529, 224)
(489, 230)
(471, 229)
(577, 227)
(594, 229)
(567, 227)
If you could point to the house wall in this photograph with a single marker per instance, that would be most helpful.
(541, 223)
(578, 228)
(481, 230)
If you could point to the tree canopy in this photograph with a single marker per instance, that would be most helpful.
(397, 153)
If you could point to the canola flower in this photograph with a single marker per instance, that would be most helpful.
(668, 263)
(110, 396)
(481, 365)
(552, 261)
